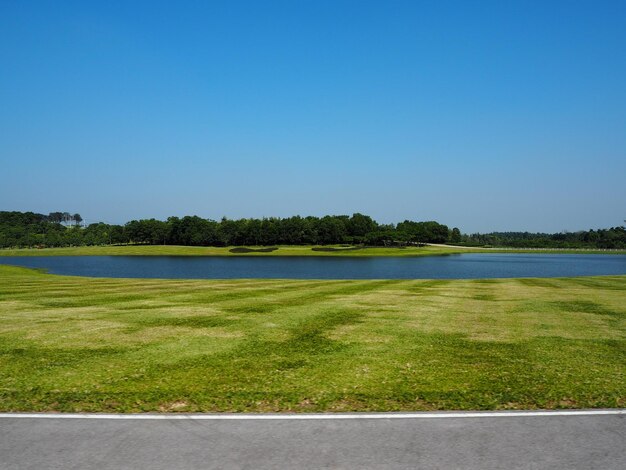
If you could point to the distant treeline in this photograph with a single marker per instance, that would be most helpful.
(27, 229)
(612, 238)
(58, 229)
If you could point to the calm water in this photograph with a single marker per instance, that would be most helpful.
(464, 266)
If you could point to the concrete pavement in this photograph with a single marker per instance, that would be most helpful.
(428, 441)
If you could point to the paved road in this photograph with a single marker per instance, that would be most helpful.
(525, 442)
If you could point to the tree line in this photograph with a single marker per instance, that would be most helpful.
(28, 229)
(59, 229)
(611, 238)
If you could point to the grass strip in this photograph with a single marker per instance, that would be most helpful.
(283, 250)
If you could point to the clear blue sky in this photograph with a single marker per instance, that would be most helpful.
(482, 115)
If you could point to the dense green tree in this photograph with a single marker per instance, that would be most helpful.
(55, 217)
(455, 235)
(360, 225)
(331, 230)
(424, 232)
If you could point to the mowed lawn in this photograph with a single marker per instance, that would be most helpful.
(85, 344)
(281, 250)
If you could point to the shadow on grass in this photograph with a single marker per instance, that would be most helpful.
(243, 249)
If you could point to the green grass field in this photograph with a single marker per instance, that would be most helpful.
(284, 250)
(86, 344)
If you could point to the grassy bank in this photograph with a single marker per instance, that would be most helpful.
(84, 344)
(288, 250)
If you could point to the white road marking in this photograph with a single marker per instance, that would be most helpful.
(316, 416)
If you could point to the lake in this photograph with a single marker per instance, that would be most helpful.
(462, 266)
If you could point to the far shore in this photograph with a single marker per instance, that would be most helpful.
(285, 250)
